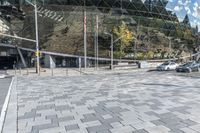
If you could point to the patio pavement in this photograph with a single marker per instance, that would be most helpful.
(136, 102)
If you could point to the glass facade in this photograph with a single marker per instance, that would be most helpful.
(166, 28)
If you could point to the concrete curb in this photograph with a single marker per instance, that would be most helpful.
(9, 123)
(5, 105)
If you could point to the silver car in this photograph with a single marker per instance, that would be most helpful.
(167, 66)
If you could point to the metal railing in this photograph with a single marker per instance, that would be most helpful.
(47, 72)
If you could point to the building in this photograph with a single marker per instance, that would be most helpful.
(61, 24)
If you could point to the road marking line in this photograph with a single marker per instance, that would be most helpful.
(5, 106)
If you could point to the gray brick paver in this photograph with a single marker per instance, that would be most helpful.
(37, 128)
(109, 103)
(188, 130)
(71, 127)
(176, 131)
(140, 131)
(97, 128)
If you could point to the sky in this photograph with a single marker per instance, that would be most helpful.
(183, 7)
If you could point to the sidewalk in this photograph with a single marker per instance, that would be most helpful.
(134, 102)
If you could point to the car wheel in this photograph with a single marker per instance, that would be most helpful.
(168, 69)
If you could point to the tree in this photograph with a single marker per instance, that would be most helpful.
(122, 31)
(179, 31)
(188, 34)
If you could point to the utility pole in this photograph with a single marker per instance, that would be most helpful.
(85, 37)
(97, 41)
(37, 40)
(95, 49)
(111, 47)
(111, 52)
(36, 37)
(170, 45)
(121, 6)
(137, 34)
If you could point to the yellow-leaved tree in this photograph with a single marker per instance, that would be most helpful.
(126, 36)
(188, 34)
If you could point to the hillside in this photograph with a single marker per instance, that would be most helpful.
(62, 31)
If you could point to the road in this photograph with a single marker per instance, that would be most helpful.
(4, 86)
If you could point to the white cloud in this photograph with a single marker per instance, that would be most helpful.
(178, 8)
(187, 9)
(196, 4)
(196, 10)
(181, 7)
(143, 1)
(180, 19)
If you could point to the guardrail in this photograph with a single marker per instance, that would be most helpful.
(153, 63)
(93, 58)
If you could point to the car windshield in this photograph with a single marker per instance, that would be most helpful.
(188, 64)
(166, 63)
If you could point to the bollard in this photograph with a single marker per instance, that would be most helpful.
(67, 72)
(39, 72)
(20, 71)
(51, 71)
(15, 72)
(80, 70)
(79, 64)
(27, 71)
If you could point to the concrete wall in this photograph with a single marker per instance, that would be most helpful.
(49, 61)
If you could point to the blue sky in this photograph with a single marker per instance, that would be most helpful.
(183, 7)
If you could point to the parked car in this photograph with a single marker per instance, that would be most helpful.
(191, 66)
(169, 65)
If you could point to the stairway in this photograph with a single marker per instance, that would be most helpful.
(4, 28)
(50, 14)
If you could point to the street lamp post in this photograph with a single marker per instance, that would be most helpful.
(170, 44)
(36, 37)
(96, 47)
(111, 46)
(85, 35)
(112, 52)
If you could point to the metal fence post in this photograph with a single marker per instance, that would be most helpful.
(27, 71)
(15, 72)
(51, 71)
(79, 63)
(20, 71)
(67, 72)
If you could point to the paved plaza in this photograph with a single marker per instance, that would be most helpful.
(136, 102)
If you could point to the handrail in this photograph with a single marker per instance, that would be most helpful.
(92, 58)
(79, 71)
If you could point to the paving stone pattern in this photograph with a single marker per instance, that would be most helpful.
(145, 102)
